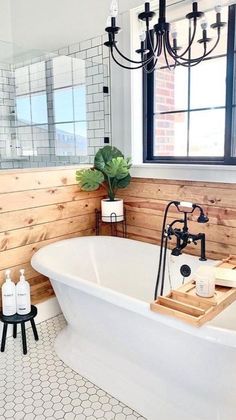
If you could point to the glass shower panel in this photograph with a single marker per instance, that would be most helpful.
(56, 113)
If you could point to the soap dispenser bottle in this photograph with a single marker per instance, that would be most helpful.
(23, 301)
(8, 296)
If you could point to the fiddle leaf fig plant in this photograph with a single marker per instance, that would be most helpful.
(111, 170)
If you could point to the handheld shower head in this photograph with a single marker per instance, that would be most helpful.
(203, 218)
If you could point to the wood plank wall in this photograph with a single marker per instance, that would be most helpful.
(146, 200)
(37, 208)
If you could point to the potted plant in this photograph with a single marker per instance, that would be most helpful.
(111, 170)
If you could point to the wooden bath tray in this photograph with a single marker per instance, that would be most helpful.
(184, 304)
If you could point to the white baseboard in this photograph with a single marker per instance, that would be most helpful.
(46, 310)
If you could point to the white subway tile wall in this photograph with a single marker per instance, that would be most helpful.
(34, 131)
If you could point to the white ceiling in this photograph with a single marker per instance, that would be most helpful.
(50, 24)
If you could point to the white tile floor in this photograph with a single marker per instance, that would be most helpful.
(39, 386)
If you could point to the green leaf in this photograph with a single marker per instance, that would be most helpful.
(89, 179)
(117, 168)
(105, 155)
(123, 183)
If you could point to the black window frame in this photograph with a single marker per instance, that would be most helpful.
(148, 110)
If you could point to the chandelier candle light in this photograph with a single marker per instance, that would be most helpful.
(157, 39)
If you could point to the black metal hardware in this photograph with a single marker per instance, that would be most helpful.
(106, 140)
(19, 319)
(183, 237)
(185, 270)
(105, 89)
(113, 223)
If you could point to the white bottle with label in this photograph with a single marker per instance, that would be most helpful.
(8, 296)
(23, 301)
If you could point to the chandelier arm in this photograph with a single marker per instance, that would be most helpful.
(149, 71)
(122, 65)
(191, 40)
(160, 44)
(176, 56)
(155, 58)
(129, 60)
(193, 60)
(185, 60)
(153, 50)
(191, 63)
(171, 68)
(216, 43)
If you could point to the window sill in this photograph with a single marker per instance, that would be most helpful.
(210, 173)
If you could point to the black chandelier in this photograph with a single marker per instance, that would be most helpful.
(157, 40)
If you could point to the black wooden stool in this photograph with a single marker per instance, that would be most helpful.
(19, 319)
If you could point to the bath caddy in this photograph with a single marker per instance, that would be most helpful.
(184, 304)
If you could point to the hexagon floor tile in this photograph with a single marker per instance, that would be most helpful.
(39, 386)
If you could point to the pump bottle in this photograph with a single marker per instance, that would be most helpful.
(8, 296)
(23, 301)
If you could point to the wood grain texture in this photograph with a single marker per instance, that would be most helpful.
(38, 208)
(146, 199)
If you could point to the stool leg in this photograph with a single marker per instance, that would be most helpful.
(34, 329)
(23, 338)
(14, 330)
(4, 335)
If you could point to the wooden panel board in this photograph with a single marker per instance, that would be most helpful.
(11, 181)
(30, 199)
(44, 214)
(211, 194)
(146, 199)
(38, 208)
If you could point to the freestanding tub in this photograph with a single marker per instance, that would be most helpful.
(159, 366)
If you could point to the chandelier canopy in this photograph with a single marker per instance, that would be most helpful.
(159, 39)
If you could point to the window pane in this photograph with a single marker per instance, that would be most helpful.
(41, 139)
(80, 103)
(78, 71)
(207, 129)
(63, 105)
(39, 108)
(65, 140)
(170, 92)
(62, 71)
(37, 77)
(24, 139)
(170, 134)
(22, 80)
(81, 139)
(23, 110)
(208, 84)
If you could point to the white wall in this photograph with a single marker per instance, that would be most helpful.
(5, 21)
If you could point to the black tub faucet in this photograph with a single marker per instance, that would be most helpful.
(183, 236)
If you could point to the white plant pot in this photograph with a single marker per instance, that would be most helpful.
(112, 211)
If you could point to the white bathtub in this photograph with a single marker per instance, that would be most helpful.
(159, 366)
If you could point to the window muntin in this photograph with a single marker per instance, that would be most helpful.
(52, 107)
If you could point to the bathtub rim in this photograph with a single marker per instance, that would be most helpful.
(208, 331)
